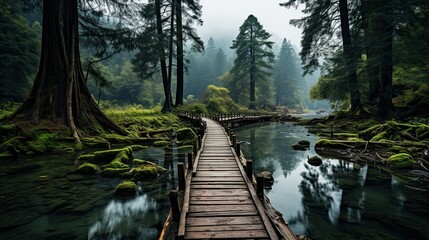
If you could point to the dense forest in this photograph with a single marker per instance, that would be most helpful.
(84, 75)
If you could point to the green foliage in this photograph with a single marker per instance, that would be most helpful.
(255, 58)
(19, 51)
(218, 101)
(288, 84)
(145, 171)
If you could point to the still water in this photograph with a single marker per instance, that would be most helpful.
(339, 199)
(39, 199)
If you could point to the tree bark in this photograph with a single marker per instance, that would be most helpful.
(165, 82)
(59, 92)
(180, 57)
(252, 71)
(386, 26)
(170, 48)
(350, 58)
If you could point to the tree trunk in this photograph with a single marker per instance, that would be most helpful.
(180, 57)
(252, 71)
(170, 48)
(350, 58)
(59, 92)
(386, 26)
(165, 82)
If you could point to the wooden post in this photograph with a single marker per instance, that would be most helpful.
(249, 169)
(190, 160)
(174, 202)
(260, 186)
(200, 141)
(238, 149)
(181, 175)
(234, 141)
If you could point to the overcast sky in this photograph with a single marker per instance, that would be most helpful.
(223, 18)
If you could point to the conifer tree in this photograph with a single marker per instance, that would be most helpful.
(254, 55)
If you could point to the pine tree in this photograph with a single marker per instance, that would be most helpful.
(254, 55)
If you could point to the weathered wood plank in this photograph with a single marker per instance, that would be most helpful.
(218, 186)
(225, 228)
(220, 198)
(217, 221)
(222, 214)
(255, 234)
(228, 202)
(217, 179)
(219, 192)
(221, 208)
(219, 173)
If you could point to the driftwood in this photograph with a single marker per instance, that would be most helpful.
(153, 132)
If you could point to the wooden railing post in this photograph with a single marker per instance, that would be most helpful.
(234, 141)
(249, 169)
(238, 149)
(181, 175)
(260, 186)
(190, 160)
(174, 202)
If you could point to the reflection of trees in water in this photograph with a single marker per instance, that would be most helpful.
(324, 191)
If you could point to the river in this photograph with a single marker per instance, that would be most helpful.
(39, 199)
(337, 200)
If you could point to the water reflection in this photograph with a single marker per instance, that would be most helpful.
(339, 199)
(126, 219)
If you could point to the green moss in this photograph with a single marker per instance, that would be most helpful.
(161, 143)
(9, 130)
(401, 161)
(185, 148)
(126, 188)
(379, 136)
(345, 135)
(138, 162)
(325, 143)
(114, 172)
(115, 138)
(185, 134)
(145, 171)
(110, 155)
(399, 149)
(136, 148)
(86, 158)
(95, 142)
(87, 168)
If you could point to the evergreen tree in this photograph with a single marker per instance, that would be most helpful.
(19, 58)
(254, 55)
(286, 78)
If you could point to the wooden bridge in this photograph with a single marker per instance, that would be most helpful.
(219, 200)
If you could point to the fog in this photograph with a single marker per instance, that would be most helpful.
(223, 18)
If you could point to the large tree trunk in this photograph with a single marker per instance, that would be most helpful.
(180, 57)
(59, 93)
(386, 27)
(349, 53)
(166, 84)
(170, 49)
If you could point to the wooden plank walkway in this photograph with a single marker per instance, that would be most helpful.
(220, 201)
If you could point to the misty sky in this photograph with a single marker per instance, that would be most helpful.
(223, 18)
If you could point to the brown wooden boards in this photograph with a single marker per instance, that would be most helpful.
(220, 204)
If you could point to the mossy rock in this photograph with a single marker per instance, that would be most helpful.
(126, 189)
(185, 134)
(9, 130)
(185, 148)
(114, 172)
(145, 171)
(401, 161)
(326, 143)
(136, 148)
(315, 161)
(109, 155)
(379, 137)
(299, 147)
(304, 143)
(116, 164)
(87, 169)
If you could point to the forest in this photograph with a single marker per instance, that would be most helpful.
(107, 82)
